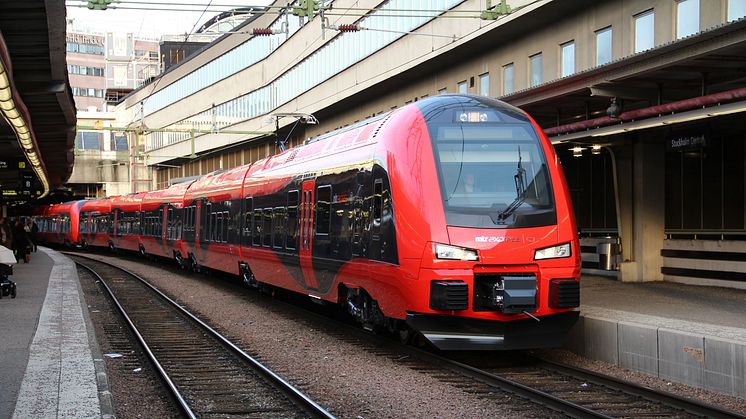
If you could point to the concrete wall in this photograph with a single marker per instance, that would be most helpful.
(654, 347)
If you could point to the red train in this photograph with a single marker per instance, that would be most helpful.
(450, 217)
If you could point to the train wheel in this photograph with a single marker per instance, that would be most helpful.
(13, 291)
(111, 247)
(142, 251)
(84, 245)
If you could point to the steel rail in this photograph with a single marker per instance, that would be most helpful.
(296, 395)
(183, 405)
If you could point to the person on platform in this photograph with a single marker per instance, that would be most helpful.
(6, 233)
(21, 242)
(31, 228)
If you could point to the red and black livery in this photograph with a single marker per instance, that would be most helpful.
(450, 216)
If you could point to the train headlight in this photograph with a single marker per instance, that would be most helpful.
(561, 251)
(444, 251)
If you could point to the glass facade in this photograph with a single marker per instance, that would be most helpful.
(336, 55)
(705, 185)
(687, 18)
(85, 48)
(603, 46)
(644, 31)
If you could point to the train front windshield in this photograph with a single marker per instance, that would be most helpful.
(493, 173)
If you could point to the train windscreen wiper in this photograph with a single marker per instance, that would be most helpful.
(520, 189)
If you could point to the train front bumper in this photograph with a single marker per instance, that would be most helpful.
(461, 333)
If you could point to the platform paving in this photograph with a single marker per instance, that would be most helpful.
(52, 373)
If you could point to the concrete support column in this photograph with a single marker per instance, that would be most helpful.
(641, 194)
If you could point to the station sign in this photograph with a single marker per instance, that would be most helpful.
(686, 142)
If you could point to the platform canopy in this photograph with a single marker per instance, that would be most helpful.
(37, 128)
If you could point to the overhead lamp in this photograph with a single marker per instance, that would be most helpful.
(577, 151)
(10, 112)
(614, 110)
(596, 149)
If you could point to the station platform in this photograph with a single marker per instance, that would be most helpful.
(52, 366)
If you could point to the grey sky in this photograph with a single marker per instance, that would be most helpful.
(147, 23)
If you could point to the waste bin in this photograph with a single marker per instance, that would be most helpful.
(608, 250)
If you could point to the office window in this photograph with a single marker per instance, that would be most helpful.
(644, 31)
(484, 84)
(463, 88)
(442, 91)
(119, 141)
(508, 79)
(568, 59)
(89, 140)
(535, 70)
(603, 46)
(687, 18)
(736, 9)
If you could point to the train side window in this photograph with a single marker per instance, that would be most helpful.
(159, 230)
(278, 224)
(219, 223)
(377, 200)
(226, 222)
(248, 218)
(323, 209)
(257, 236)
(267, 228)
(292, 226)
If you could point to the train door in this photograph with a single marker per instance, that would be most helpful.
(306, 234)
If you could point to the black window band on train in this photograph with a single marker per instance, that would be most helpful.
(491, 166)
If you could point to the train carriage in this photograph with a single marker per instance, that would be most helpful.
(161, 212)
(451, 214)
(95, 224)
(127, 217)
(59, 224)
(212, 207)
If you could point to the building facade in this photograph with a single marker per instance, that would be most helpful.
(641, 98)
(103, 69)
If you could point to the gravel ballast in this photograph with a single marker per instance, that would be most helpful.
(346, 378)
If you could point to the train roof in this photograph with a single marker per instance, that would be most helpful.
(174, 195)
(224, 183)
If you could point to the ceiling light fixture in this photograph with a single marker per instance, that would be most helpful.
(12, 115)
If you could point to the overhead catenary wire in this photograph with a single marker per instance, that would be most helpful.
(257, 8)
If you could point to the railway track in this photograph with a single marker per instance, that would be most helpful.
(580, 393)
(207, 375)
(560, 390)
